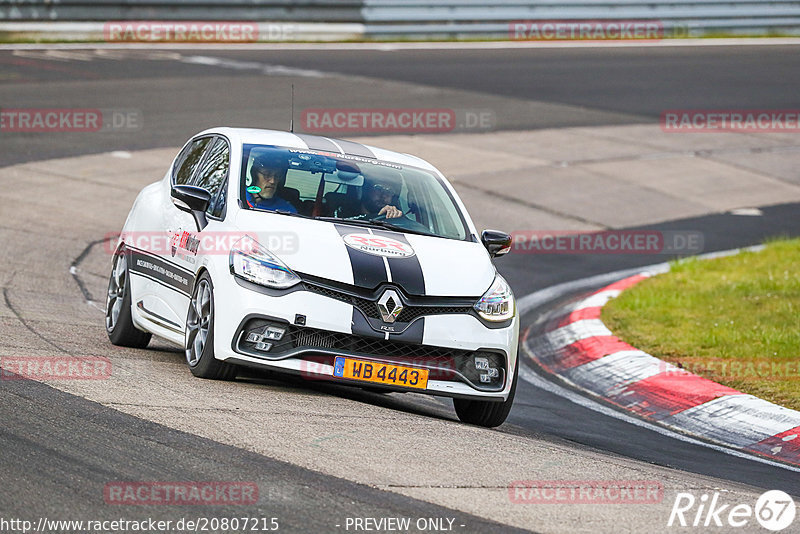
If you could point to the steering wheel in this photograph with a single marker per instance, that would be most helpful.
(402, 222)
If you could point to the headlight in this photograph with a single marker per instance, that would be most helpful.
(497, 304)
(256, 264)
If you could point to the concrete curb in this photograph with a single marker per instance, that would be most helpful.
(574, 345)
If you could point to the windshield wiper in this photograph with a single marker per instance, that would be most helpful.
(371, 222)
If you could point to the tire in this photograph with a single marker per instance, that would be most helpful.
(486, 413)
(119, 323)
(199, 335)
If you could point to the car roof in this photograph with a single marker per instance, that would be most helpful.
(317, 142)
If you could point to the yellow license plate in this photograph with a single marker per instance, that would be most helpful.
(382, 373)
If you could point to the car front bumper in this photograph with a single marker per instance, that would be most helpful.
(327, 332)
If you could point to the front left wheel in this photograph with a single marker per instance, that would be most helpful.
(119, 323)
(199, 340)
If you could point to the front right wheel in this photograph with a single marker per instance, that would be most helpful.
(486, 413)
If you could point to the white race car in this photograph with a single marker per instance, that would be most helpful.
(320, 257)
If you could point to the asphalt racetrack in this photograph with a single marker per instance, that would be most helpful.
(322, 455)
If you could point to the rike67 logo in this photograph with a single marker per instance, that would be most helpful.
(774, 510)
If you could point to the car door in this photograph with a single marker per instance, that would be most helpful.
(165, 293)
(211, 174)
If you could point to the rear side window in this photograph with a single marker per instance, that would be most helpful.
(212, 174)
(188, 160)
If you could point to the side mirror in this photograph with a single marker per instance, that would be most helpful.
(497, 243)
(194, 200)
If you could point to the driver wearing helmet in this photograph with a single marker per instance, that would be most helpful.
(268, 174)
(376, 198)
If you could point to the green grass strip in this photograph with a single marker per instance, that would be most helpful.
(734, 320)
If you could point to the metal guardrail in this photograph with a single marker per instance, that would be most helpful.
(474, 18)
(387, 19)
(250, 10)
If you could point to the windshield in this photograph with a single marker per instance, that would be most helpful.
(363, 191)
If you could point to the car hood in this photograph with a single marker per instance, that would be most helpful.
(367, 257)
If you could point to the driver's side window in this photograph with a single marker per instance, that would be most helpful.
(212, 175)
(188, 160)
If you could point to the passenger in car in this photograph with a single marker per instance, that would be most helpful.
(376, 200)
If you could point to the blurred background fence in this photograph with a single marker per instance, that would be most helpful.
(387, 19)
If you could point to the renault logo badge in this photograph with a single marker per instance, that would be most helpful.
(389, 306)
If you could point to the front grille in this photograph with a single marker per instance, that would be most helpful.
(443, 359)
(410, 313)
(307, 338)
(369, 307)
(314, 338)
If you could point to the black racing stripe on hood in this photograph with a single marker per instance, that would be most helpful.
(368, 269)
(406, 272)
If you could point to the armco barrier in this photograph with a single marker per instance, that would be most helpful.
(250, 10)
(681, 17)
(388, 19)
